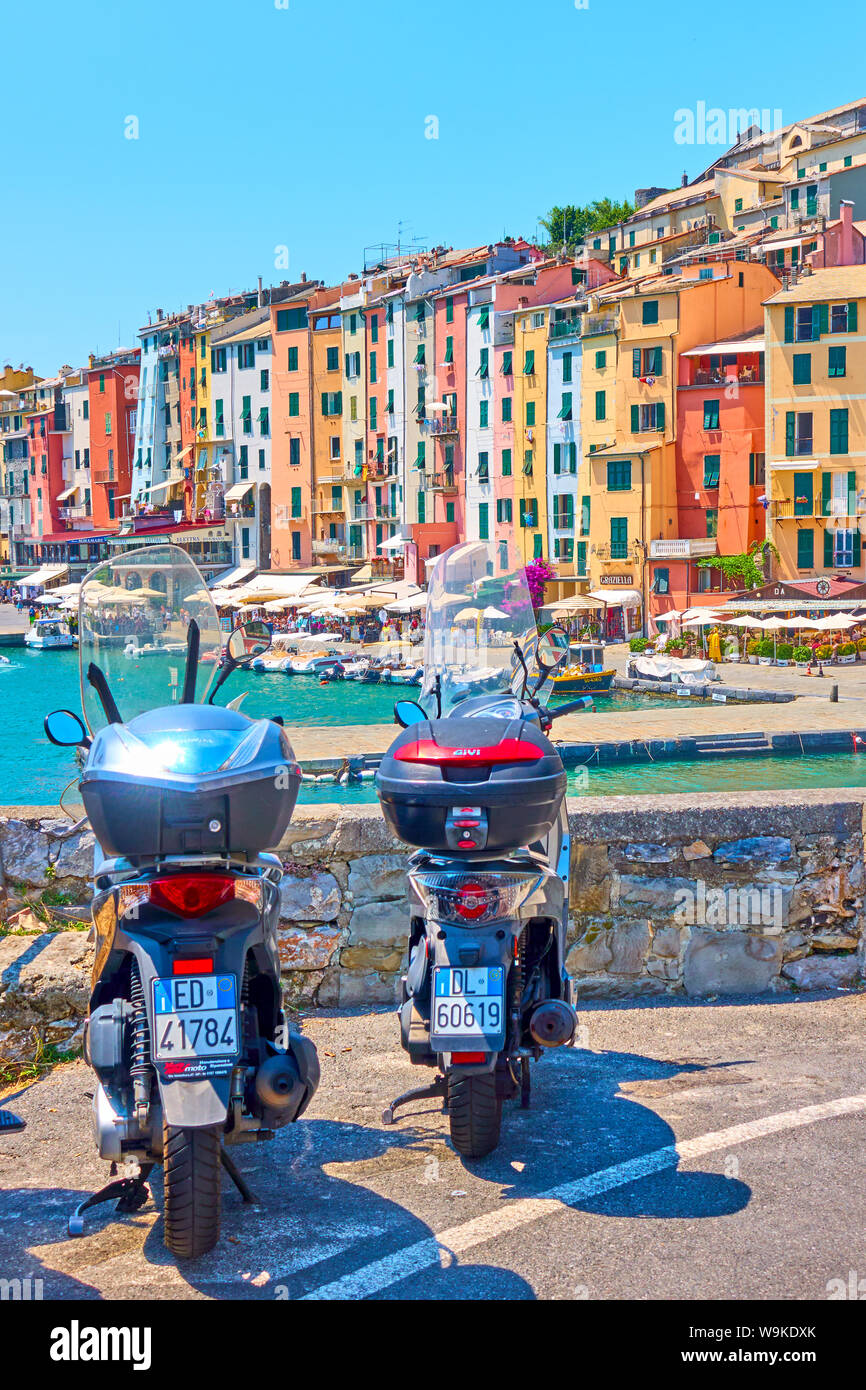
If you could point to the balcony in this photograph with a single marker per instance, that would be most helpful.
(741, 376)
(600, 323)
(441, 482)
(565, 328)
(360, 514)
(329, 545)
(441, 424)
(73, 513)
(808, 508)
(386, 512)
(683, 549)
(328, 509)
(104, 475)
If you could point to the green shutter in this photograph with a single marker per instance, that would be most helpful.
(828, 548)
(484, 316)
(805, 548)
(857, 545)
(823, 318)
(660, 415)
(529, 362)
(635, 419)
(789, 323)
(852, 493)
(826, 484)
(852, 321)
(557, 458)
(790, 432)
(635, 362)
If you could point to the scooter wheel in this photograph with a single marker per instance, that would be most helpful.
(474, 1113)
(191, 1169)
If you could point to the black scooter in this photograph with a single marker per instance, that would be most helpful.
(185, 1029)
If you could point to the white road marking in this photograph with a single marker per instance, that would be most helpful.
(438, 1249)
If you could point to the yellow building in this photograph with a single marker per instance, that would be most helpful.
(816, 423)
(530, 433)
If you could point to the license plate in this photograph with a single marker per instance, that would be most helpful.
(468, 1007)
(195, 1016)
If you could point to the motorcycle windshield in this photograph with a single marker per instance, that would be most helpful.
(134, 616)
(478, 606)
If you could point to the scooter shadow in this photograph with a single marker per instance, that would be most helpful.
(310, 1227)
(580, 1123)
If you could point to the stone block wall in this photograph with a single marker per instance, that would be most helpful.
(731, 894)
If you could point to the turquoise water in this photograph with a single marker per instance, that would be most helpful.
(34, 772)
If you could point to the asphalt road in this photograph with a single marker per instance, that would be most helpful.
(763, 1197)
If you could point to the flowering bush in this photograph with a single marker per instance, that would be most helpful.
(538, 575)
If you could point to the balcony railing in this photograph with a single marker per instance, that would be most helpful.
(814, 508)
(742, 376)
(360, 514)
(565, 328)
(441, 424)
(329, 545)
(441, 482)
(671, 549)
(600, 323)
(104, 475)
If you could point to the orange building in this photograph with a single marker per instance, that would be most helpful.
(113, 397)
(292, 429)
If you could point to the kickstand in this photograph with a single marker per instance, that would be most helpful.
(131, 1193)
(438, 1087)
(524, 1083)
(231, 1168)
(9, 1122)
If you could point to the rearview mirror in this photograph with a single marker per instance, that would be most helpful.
(248, 640)
(407, 712)
(551, 650)
(65, 728)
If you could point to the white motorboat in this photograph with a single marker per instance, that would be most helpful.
(311, 665)
(49, 634)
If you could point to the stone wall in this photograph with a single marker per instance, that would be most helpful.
(732, 895)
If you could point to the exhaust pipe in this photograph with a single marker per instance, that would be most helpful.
(553, 1023)
(278, 1084)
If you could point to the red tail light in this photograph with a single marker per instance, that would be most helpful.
(191, 895)
(471, 901)
(468, 1057)
(201, 965)
(510, 750)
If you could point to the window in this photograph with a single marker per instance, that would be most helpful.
(757, 470)
(294, 403)
(619, 538)
(294, 451)
(218, 360)
(333, 359)
(449, 511)
(798, 433)
(264, 422)
(85, 410)
(564, 412)
(738, 205)
(837, 361)
(296, 545)
(841, 548)
(219, 422)
(566, 367)
(292, 363)
(600, 405)
(484, 363)
(661, 580)
(647, 418)
(483, 413)
(563, 511)
(712, 522)
(712, 463)
(422, 507)
(108, 422)
(619, 476)
(506, 408)
(507, 359)
(530, 414)
(353, 407)
(650, 311)
(711, 415)
(839, 431)
(802, 368)
(332, 403)
(646, 362)
(846, 162)
(504, 509)
(374, 413)
(449, 310)
(262, 461)
(265, 380)
(529, 362)
(390, 352)
(528, 511)
(483, 523)
(805, 548)
(506, 463)
(390, 405)
(246, 355)
(600, 360)
(102, 383)
(296, 503)
(843, 318)
(291, 318)
(243, 461)
(373, 374)
(247, 415)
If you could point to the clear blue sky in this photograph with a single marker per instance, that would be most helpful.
(262, 126)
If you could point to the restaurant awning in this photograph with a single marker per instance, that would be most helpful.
(235, 576)
(615, 597)
(68, 492)
(237, 491)
(756, 344)
(395, 542)
(160, 487)
(44, 576)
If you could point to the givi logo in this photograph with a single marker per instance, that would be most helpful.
(467, 752)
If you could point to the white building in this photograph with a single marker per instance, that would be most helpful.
(241, 369)
(564, 361)
(480, 403)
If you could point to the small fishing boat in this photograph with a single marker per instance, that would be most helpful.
(354, 667)
(49, 634)
(311, 665)
(407, 675)
(585, 672)
(137, 650)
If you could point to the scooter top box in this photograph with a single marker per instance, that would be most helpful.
(438, 772)
(190, 779)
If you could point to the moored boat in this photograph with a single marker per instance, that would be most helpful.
(49, 634)
(585, 672)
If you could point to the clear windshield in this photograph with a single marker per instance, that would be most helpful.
(477, 608)
(134, 618)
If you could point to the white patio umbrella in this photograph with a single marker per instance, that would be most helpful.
(491, 612)
(835, 622)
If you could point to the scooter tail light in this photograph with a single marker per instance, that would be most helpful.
(467, 1057)
(199, 965)
(474, 899)
(191, 895)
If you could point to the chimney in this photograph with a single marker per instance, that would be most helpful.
(685, 180)
(259, 296)
(846, 233)
(159, 316)
(303, 277)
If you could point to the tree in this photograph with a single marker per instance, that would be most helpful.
(568, 225)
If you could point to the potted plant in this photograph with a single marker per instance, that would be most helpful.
(802, 655)
(765, 651)
(784, 652)
(752, 650)
(824, 652)
(675, 646)
(861, 648)
(638, 644)
(847, 653)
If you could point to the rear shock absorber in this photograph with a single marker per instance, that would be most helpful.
(140, 1070)
(519, 976)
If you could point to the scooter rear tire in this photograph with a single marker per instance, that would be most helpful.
(191, 1171)
(474, 1112)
